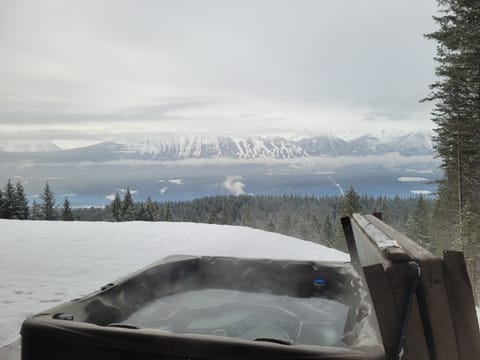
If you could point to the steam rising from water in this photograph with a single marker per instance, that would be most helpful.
(234, 185)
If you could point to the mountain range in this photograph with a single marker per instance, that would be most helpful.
(171, 147)
(188, 166)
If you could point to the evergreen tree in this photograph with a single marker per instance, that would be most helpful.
(271, 225)
(141, 212)
(386, 213)
(329, 231)
(226, 215)
(67, 214)
(116, 208)
(48, 209)
(9, 201)
(212, 217)
(350, 203)
(168, 216)
(457, 116)
(36, 211)
(472, 244)
(149, 210)
(128, 207)
(2, 214)
(422, 221)
(21, 202)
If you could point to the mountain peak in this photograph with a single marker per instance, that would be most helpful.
(208, 146)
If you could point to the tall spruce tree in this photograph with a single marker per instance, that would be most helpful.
(67, 213)
(116, 207)
(457, 117)
(2, 213)
(329, 231)
(21, 202)
(9, 201)
(48, 209)
(128, 207)
(149, 210)
(168, 216)
(35, 211)
(351, 203)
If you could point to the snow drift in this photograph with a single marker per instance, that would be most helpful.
(46, 263)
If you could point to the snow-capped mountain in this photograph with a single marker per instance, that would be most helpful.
(172, 147)
(182, 167)
(178, 147)
(23, 146)
(207, 147)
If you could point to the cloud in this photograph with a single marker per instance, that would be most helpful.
(140, 113)
(133, 192)
(176, 181)
(163, 190)
(412, 179)
(110, 197)
(234, 186)
(51, 178)
(421, 192)
(243, 69)
(419, 171)
(69, 195)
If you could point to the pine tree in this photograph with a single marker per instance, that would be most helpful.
(168, 216)
(271, 226)
(457, 116)
(212, 217)
(116, 207)
(350, 203)
(472, 247)
(35, 211)
(149, 210)
(67, 214)
(2, 213)
(141, 212)
(128, 207)
(48, 209)
(21, 202)
(386, 213)
(9, 201)
(226, 216)
(422, 221)
(329, 231)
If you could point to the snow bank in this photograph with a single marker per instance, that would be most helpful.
(44, 263)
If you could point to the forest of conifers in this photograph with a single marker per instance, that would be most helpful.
(310, 218)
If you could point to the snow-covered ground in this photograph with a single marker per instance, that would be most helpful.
(43, 263)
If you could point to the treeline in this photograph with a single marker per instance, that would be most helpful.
(14, 204)
(310, 218)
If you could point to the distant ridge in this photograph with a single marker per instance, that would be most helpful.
(178, 147)
(172, 147)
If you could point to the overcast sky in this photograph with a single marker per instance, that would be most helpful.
(77, 72)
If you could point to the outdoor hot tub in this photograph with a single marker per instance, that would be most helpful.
(189, 307)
